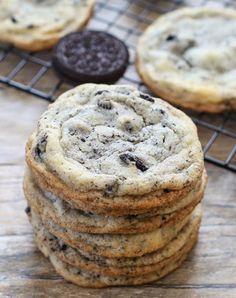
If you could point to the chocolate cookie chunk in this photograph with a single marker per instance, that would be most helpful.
(91, 56)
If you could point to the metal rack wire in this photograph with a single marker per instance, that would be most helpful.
(33, 73)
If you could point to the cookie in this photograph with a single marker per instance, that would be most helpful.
(39, 24)
(91, 56)
(116, 267)
(118, 245)
(90, 279)
(184, 59)
(113, 150)
(62, 213)
(85, 279)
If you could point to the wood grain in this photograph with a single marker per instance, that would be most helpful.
(209, 271)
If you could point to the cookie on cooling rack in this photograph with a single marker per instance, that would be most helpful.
(188, 57)
(91, 57)
(38, 25)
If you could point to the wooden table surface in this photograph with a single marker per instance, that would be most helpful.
(209, 271)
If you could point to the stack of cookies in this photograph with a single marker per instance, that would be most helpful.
(114, 183)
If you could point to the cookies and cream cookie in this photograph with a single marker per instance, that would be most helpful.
(118, 245)
(113, 149)
(82, 277)
(63, 214)
(92, 280)
(38, 24)
(115, 266)
(66, 215)
(188, 57)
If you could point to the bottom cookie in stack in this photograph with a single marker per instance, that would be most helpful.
(91, 270)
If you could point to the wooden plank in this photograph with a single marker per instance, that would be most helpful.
(11, 183)
(57, 288)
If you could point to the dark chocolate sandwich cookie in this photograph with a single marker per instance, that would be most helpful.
(91, 56)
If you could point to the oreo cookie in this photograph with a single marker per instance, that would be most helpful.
(91, 56)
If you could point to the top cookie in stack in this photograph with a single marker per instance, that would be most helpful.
(114, 150)
(114, 177)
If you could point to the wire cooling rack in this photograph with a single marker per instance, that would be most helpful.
(125, 19)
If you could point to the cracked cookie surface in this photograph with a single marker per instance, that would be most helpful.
(188, 57)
